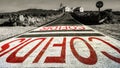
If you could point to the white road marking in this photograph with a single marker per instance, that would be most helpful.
(69, 48)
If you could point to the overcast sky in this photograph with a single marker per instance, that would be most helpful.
(16, 5)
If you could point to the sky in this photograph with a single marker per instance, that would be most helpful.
(16, 5)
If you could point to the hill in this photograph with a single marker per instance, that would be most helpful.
(32, 11)
(29, 17)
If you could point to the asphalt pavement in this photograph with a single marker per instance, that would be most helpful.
(63, 43)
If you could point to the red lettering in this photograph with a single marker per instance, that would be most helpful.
(92, 59)
(47, 28)
(7, 45)
(42, 51)
(55, 27)
(72, 27)
(61, 58)
(64, 28)
(81, 28)
(105, 53)
(14, 59)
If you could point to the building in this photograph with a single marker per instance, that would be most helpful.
(78, 9)
(67, 9)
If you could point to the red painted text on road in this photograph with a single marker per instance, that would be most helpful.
(62, 28)
(22, 42)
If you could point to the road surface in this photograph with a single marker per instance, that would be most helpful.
(64, 43)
